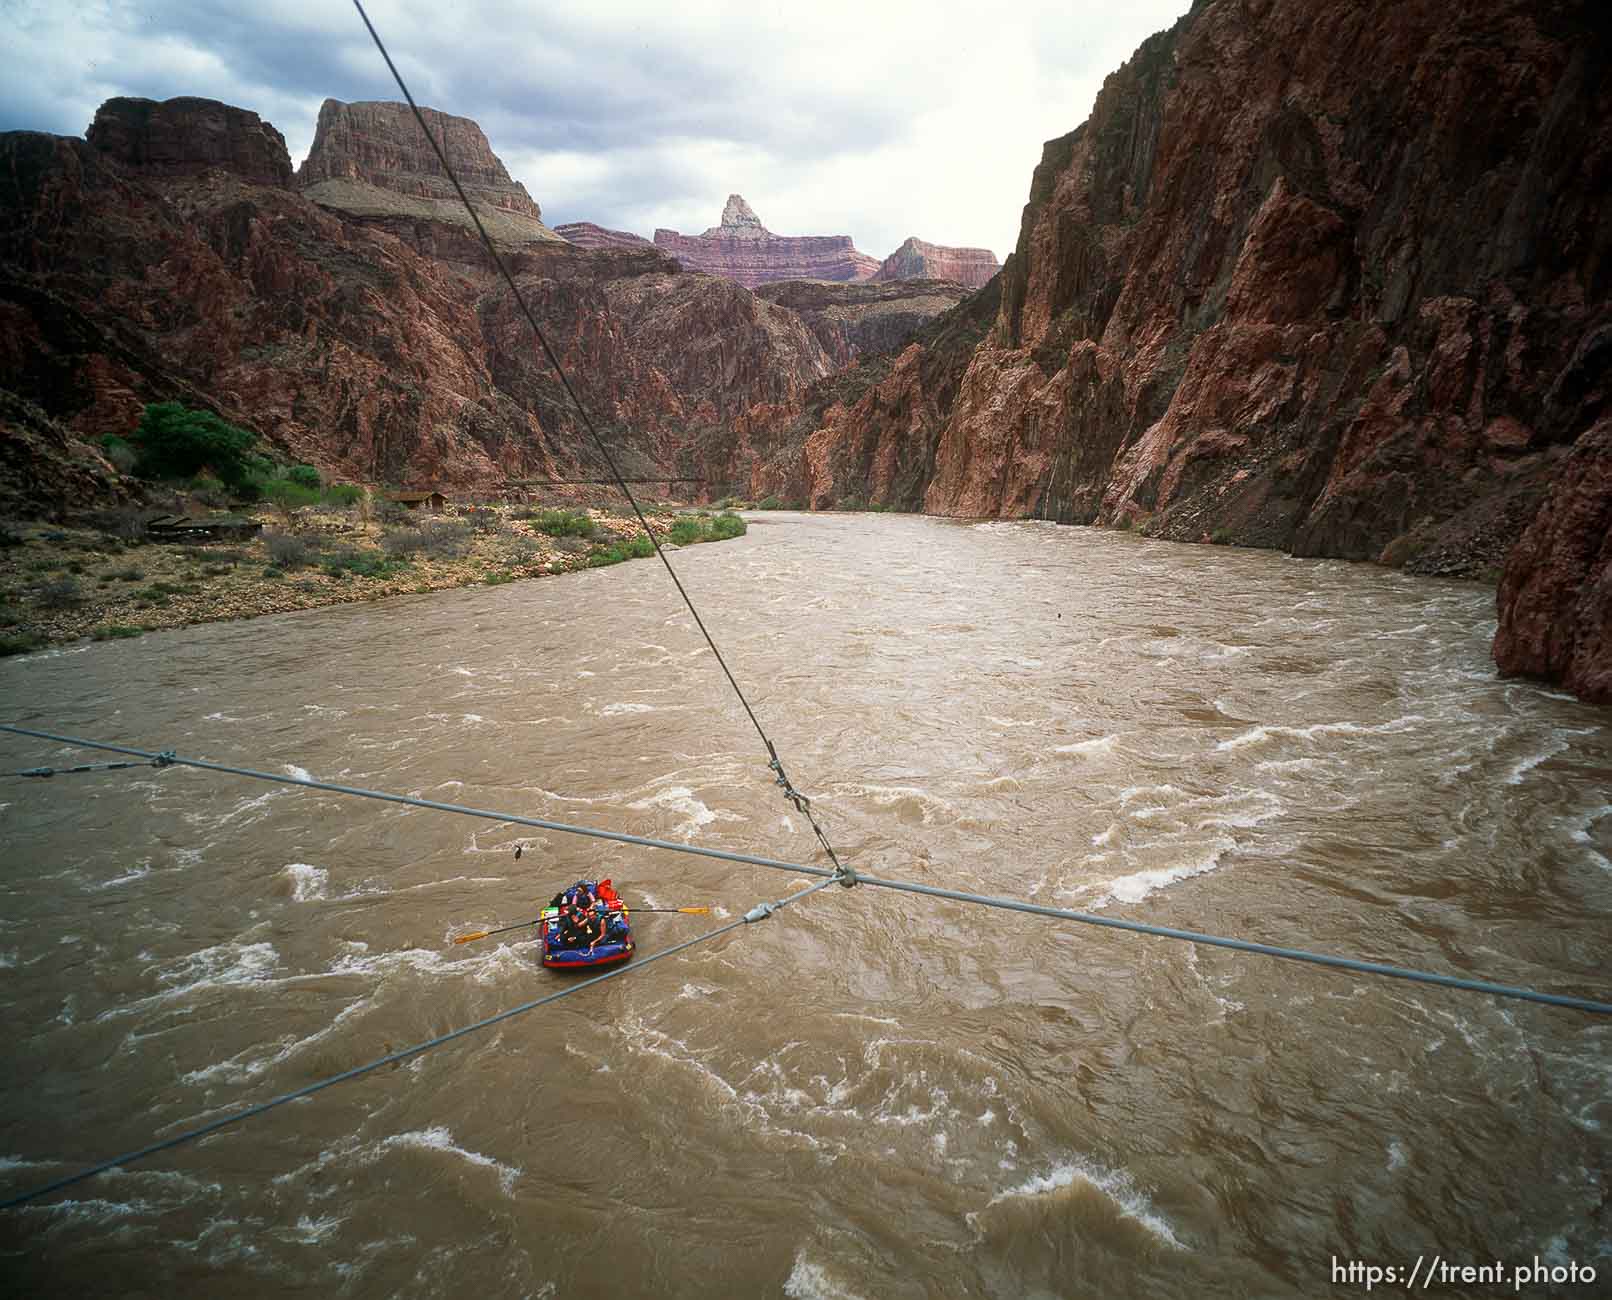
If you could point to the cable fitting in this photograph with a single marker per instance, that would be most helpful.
(847, 876)
(167, 758)
(760, 912)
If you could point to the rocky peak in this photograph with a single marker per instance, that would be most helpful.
(917, 260)
(186, 136)
(743, 249)
(370, 159)
(739, 220)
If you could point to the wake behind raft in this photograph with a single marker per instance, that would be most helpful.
(584, 926)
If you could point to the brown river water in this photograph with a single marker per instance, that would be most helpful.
(869, 1094)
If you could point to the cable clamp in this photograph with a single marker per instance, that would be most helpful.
(167, 758)
(847, 876)
(38, 771)
(760, 912)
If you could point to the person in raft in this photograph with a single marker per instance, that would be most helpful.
(581, 926)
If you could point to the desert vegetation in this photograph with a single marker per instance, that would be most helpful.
(107, 577)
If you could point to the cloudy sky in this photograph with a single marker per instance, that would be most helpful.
(878, 119)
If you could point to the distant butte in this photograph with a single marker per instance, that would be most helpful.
(916, 260)
(584, 234)
(743, 249)
(369, 160)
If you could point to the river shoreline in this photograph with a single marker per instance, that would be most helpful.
(63, 584)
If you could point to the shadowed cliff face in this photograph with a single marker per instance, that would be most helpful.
(1321, 277)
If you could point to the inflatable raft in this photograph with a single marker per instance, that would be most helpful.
(617, 945)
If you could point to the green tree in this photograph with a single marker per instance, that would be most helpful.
(175, 442)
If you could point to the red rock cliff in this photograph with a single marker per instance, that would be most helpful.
(744, 250)
(1326, 277)
(374, 346)
(371, 160)
(584, 234)
(182, 137)
(916, 260)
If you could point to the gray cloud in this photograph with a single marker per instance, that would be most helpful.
(877, 121)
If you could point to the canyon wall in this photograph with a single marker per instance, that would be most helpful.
(584, 234)
(916, 260)
(853, 320)
(1331, 278)
(380, 346)
(370, 159)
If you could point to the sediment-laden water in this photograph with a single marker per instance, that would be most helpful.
(869, 1094)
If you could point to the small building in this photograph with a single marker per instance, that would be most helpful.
(183, 528)
(434, 502)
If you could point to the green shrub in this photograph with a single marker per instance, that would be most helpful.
(686, 531)
(769, 503)
(498, 579)
(20, 643)
(286, 495)
(343, 494)
(726, 526)
(1221, 537)
(304, 476)
(116, 631)
(287, 551)
(174, 442)
(273, 572)
(634, 548)
(366, 564)
(564, 523)
(851, 503)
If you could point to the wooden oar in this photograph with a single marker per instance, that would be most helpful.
(482, 934)
(692, 911)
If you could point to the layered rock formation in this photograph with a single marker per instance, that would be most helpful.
(1326, 278)
(373, 347)
(853, 320)
(369, 159)
(185, 137)
(743, 250)
(916, 260)
(584, 234)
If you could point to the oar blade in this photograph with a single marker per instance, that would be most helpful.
(467, 938)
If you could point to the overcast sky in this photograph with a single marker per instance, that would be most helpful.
(877, 119)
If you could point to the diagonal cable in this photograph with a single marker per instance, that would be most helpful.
(799, 800)
(930, 891)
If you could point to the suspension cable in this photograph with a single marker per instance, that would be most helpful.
(932, 891)
(539, 823)
(800, 801)
(758, 913)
